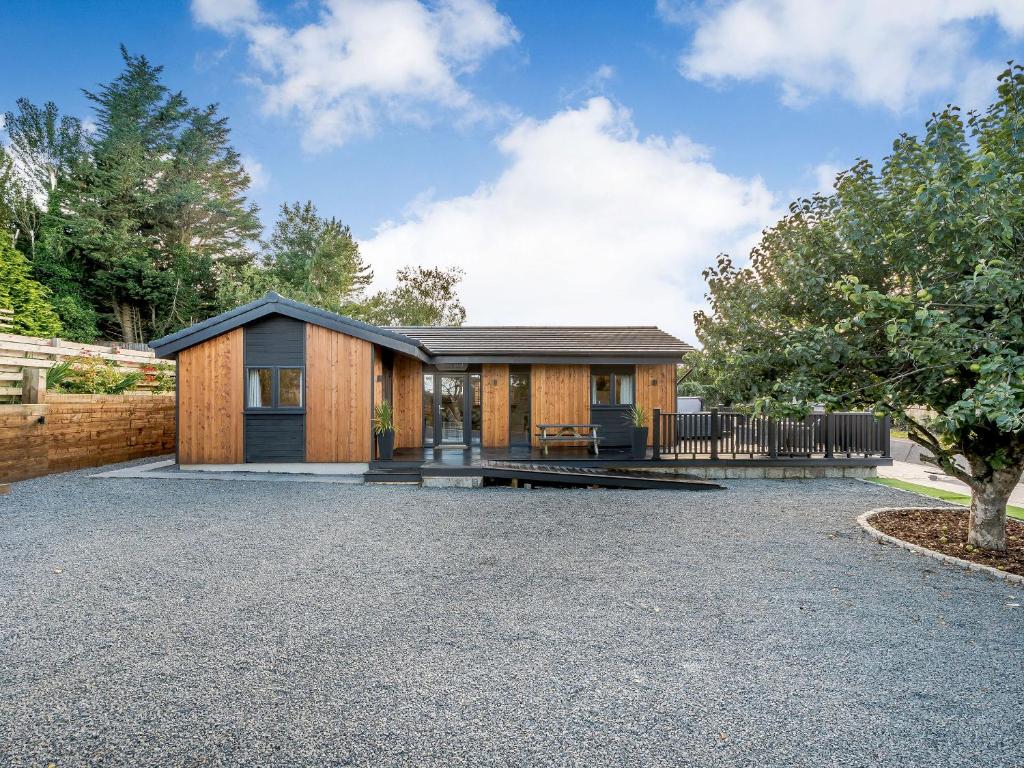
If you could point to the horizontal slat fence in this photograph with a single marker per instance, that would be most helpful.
(731, 435)
(75, 431)
(20, 352)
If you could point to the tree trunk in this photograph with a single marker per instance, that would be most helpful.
(127, 317)
(988, 507)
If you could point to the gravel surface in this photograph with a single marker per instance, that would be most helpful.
(182, 623)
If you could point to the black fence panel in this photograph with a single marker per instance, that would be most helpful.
(732, 435)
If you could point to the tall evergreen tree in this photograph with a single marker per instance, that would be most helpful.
(157, 213)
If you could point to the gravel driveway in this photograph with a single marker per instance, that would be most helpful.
(181, 623)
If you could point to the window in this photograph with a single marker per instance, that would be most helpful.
(623, 389)
(601, 389)
(289, 394)
(428, 409)
(611, 388)
(261, 387)
(273, 388)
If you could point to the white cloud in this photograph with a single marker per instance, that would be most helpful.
(259, 177)
(825, 177)
(225, 15)
(587, 218)
(676, 11)
(365, 60)
(887, 52)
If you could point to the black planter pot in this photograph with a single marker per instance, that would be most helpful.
(639, 442)
(386, 444)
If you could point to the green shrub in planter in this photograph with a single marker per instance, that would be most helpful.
(637, 417)
(384, 428)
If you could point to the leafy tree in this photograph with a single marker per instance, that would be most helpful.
(903, 288)
(33, 315)
(44, 148)
(422, 296)
(10, 192)
(314, 259)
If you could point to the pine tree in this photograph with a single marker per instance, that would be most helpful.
(156, 217)
(206, 222)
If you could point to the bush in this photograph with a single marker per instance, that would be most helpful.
(92, 375)
(33, 315)
(158, 377)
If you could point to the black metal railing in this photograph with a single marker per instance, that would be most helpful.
(718, 434)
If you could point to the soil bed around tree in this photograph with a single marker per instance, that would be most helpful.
(945, 531)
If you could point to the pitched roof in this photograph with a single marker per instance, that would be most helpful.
(562, 341)
(273, 303)
(440, 344)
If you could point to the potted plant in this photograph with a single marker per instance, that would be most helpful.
(384, 428)
(637, 417)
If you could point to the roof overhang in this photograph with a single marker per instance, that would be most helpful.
(557, 359)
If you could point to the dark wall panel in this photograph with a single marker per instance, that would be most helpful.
(271, 437)
(614, 429)
(275, 340)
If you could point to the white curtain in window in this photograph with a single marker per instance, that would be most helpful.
(625, 393)
(255, 401)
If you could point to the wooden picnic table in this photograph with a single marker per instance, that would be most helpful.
(568, 433)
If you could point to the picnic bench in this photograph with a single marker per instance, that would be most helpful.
(568, 433)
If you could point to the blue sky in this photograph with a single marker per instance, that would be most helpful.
(614, 151)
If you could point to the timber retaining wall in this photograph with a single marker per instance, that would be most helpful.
(69, 432)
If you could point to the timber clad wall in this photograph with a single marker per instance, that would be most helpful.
(211, 401)
(495, 405)
(655, 388)
(338, 394)
(407, 390)
(560, 395)
(83, 431)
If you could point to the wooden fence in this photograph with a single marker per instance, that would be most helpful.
(20, 352)
(720, 435)
(76, 431)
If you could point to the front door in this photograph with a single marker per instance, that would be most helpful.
(452, 409)
(452, 405)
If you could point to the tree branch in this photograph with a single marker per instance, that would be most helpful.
(941, 457)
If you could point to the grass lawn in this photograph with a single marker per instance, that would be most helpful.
(953, 497)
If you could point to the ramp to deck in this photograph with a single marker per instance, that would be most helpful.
(593, 476)
(472, 469)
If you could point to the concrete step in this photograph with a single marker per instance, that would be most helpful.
(392, 476)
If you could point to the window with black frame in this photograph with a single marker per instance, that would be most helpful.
(273, 388)
(611, 388)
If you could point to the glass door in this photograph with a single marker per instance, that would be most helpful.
(519, 408)
(452, 405)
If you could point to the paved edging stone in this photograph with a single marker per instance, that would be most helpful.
(865, 523)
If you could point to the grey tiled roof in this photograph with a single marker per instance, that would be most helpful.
(546, 340)
(435, 343)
